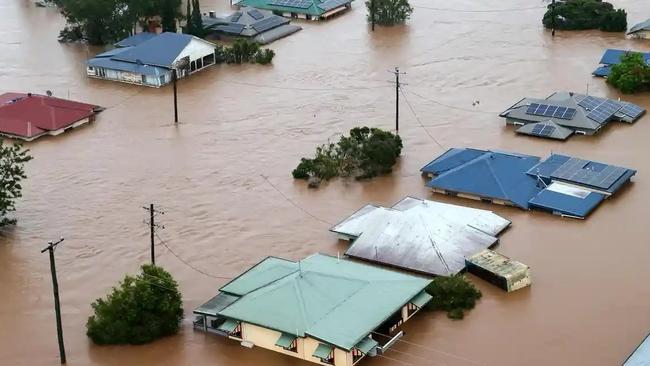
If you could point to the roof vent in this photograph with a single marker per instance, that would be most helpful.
(29, 94)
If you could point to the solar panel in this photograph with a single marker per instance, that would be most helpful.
(590, 102)
(268, 23)
(231, 28)
(542, 130)
(332, 4)
(548, 110)
(235, 17)
(585, 172)
(604, 111)
(256, 14)
(632, 110)
(300, 4)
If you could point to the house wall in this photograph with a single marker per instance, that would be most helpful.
(266, 338)
(128, 77)
(196, 49)
(644, 34)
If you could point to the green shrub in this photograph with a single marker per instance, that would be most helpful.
(452, 294)
(631, 75)
(265, 56)
(585, 14)
(142, 309)
(389, 12)
(366, 153)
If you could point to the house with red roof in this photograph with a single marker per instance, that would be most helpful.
(29, 116)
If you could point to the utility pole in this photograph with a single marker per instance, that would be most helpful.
(174, 78)
(372, 14)
(397, 73)
(152, 228)
(553, 18)
(57, 305)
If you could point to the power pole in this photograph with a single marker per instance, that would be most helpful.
(174, 78)
(57, 305)
(553, 18)
(397, 73)
(372, 14)
(152, 228)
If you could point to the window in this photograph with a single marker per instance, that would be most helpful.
(293, 347)
(208, 60)
(192, 66)
(237, 333)
(356, 355)
(329, 359)
(199, 63)
(294, 15)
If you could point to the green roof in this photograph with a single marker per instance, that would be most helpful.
(317, 7)
(336, 301)
(366, 344)
(323, 351)
(228, 326)
(285, 340)
(421, 299)
(216, 304)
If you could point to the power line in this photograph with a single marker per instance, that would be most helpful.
(264, 86)
(392, 349)
(420, 122)
(449, 106)
(478, 11)
(395, 360)
(293, 203)
(189, 264)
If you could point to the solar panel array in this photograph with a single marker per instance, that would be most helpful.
(604, 111)
(574, 170)
(235, 16)
(256, 14)
(300, 4)
(632, 110)
(548, 110)
(268, 23)
(332, 4)
(542, 130)
(231, 28)
(590, 102)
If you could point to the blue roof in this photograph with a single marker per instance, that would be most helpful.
(112, 52)
(545, 168)
(108, 63)
(136, 39)
(451, 159)
(490, 175)
(161, 50)
(640, 356)
(566, 204)
(602, 71)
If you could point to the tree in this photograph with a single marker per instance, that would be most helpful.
(585, 14)
(389, 12)
(12, 159)
(188, 18)
(196, 20)
(452, 294)
(140, 310)
(631, 75)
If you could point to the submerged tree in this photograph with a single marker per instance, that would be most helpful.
(452, 294)
(631, 75)
(12, 160)
(585, 14)
(389, 12)
(140, 310)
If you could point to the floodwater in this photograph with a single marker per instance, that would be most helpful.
(590, 300)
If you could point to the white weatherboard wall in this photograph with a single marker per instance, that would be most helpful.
(196, 49)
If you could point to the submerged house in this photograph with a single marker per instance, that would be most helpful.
(613, 57)
(640, 30)
(562, 185)
(563, 114)
(499, 270)
(423, 236)
(261, 26)
(149, 59)
(320, 309)
(304, 9)
(30, 116)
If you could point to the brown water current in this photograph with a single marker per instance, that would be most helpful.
(590, 299)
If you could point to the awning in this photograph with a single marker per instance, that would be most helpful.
(228, 326)
(285, 340)
(366, 344)
(421, 299)
(323, 351)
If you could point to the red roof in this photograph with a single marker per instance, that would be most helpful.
(29, 115)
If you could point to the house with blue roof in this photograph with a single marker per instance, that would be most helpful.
(613, 57)
(562, 185)
(150, 59)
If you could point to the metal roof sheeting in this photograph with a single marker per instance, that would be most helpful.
(421, 299)
(311, 7)
(160, 51)
(366, 345)
(420, 235)
(498, 264)
(216, 304)
(613, 57)
(136, 39)
(641, 355)
(285, 340)
(228, 326)
(645, 25)
(337, 301)
(323, 351)
(556, 199)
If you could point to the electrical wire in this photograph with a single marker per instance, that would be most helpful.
(189, 264)
(478, 10)
(264, 86)
(392, 349)
(293, 203)
(396, 360)
(450, 106)
(419, 121)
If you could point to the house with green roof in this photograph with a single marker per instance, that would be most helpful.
(305, 9)
(321, 309)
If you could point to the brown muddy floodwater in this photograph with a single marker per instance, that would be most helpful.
(590, 299)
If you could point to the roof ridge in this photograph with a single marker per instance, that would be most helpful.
(496, 178)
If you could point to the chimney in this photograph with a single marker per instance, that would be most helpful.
(29, 94)
(213, 14)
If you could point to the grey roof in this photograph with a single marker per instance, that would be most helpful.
(216, 304)
(580, 121)
(420, 235)
(161, 50)
(251, 22)
(645, 25)
(559, 132)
